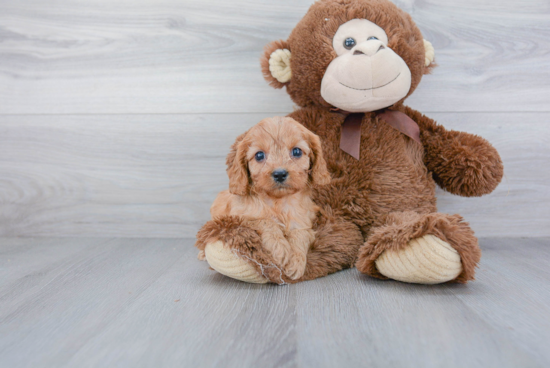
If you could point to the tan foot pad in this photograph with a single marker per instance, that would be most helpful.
(427, 260)
(223, 260)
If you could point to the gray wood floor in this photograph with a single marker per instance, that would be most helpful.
(93, 302)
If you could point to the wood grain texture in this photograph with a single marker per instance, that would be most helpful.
(115, 117)
(150, 303)
(156, 176)
(175, 56)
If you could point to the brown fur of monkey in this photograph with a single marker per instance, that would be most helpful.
(387, 197)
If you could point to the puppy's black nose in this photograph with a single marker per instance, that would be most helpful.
(279, 175)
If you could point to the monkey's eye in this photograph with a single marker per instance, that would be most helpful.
(372, 38)
(349, 43)
(296, 152)
(260, 156)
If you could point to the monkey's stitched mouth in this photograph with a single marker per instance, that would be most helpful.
(367, 89)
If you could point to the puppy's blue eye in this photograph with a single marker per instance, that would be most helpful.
(349, 43)
(296, 152)
(260, 156)
(372, 38)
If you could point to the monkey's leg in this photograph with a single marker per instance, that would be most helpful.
(234, 248)
(335, 248)
(225, 243)
(421, 248)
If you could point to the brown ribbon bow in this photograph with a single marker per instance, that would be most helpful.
(350, 138)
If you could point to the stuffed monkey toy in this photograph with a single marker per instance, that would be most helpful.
(349, 65)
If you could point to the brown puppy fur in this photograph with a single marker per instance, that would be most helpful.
(281, 211)
(387, 197)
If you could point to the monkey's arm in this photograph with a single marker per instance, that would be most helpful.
(461, 163)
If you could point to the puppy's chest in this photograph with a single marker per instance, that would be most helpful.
(290, 213)
(291, 216)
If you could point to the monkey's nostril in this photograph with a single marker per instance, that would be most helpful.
(358, 52)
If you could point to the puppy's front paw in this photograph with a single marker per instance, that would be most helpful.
(296, 267)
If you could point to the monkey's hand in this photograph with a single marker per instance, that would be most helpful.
(462, 163)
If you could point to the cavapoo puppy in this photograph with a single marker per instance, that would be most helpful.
(271, 169)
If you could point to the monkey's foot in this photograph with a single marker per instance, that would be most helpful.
(421, 248)
(226, 261)
(426, 260)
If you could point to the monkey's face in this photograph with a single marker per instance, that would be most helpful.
(356, 55)
(366, 75)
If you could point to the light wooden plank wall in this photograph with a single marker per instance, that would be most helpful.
(116, 116)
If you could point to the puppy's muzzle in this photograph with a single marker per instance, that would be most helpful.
(279, 175)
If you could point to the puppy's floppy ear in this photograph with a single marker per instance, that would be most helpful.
(237, 168)
(275, 63)
(319, 173)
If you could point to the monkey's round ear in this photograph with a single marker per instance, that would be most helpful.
(276, 63)
(429, 55)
